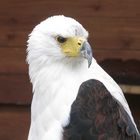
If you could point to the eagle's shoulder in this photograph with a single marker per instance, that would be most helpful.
(95, 114)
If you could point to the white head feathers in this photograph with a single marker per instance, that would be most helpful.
(42, 41)
(42, 44)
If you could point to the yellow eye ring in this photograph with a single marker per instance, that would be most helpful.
(61, 39)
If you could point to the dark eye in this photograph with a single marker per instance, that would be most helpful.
(61, 39)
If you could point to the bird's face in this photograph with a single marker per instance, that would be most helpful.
(70, 46)
(59, 37)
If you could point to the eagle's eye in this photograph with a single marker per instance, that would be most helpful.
(61, 39)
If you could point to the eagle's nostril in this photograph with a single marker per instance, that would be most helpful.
(79, 43)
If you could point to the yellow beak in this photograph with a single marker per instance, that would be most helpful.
(72, 46)
(76, 46)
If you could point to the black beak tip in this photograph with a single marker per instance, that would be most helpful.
(86, 52)
(89, 63)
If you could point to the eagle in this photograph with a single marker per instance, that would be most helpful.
(73, 97)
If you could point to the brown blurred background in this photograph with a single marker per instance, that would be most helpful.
(114, 28)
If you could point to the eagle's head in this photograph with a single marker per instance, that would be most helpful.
(58, 38)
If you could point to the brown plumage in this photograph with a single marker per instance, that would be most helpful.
(96, 115)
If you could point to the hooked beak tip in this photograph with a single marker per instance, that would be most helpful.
(86, 52)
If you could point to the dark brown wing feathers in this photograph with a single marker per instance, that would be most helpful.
(96, 115)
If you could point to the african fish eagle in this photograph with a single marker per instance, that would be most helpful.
(74, 98)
